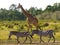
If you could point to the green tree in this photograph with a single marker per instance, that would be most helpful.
(12, 7)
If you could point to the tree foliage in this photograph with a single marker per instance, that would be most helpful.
(51, 12)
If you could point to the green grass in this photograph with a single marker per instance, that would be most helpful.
(4, 31)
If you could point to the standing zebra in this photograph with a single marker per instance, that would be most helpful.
(20, 34)
(44, 33)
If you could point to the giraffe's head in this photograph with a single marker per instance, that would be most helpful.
(19, 5)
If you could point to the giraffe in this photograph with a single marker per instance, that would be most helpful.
(30, 18)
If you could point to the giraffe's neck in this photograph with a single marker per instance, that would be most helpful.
(24, 12)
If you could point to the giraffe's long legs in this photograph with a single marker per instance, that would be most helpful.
(30, 26)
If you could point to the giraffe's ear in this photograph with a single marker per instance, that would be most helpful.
(19, 4)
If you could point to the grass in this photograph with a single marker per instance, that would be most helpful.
(4, 33)
(4, 38)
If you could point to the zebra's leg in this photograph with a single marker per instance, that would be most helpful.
(30, 40)
(9, 37)
(17, 39)
(41, 39)
(54, 39)
(49, 39)
(25, 40)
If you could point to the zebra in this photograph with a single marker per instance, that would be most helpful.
(20, 34)
(41, 33)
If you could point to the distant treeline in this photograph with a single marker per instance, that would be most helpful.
(50, 12)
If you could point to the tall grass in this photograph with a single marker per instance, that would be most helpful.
(4, 31)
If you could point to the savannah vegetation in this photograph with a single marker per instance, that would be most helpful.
(50, 13)
(14, 19)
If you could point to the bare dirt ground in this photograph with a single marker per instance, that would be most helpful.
(50, 43)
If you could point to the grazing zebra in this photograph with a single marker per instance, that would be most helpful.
(44, 33)
(20, 34)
